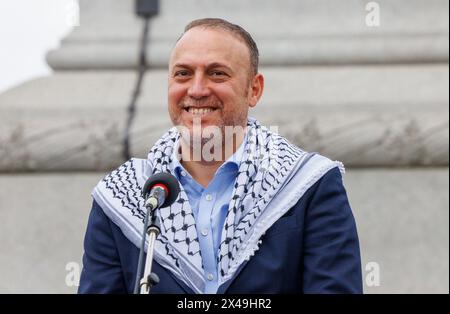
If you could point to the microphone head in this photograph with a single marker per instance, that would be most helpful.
(168, 181)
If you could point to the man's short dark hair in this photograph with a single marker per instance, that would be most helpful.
(234, 29)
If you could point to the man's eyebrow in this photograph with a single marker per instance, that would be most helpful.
(181, 65)
(209, 66)
(218, 65)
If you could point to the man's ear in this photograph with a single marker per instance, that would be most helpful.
(256, 89)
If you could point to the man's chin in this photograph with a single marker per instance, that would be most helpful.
(200, 124)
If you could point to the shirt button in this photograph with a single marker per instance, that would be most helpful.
(208, 197)
(204, 232)
(210, 277)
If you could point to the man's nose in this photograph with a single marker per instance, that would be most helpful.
(198, 88)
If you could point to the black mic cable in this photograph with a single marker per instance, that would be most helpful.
(146, 9)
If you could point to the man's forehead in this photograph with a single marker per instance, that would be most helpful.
(209, 43)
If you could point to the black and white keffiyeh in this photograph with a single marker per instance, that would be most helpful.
(272, 177)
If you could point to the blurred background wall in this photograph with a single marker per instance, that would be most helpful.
(363, 82)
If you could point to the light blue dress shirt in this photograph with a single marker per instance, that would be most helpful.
(210, 206)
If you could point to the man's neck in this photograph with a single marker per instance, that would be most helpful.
(203, 171)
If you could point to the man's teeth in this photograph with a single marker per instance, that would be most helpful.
(200, 111)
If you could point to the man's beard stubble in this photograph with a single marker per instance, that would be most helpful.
(199, 136)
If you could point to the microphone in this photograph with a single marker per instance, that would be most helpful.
(160, 190)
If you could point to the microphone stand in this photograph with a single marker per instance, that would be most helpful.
(160, 190)
(149, 279)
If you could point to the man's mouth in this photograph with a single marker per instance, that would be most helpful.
(199, 111)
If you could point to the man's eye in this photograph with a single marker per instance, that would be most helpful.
(182, 73)
(218, 73)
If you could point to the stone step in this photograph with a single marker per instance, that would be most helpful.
(361, 115)
(291, 32)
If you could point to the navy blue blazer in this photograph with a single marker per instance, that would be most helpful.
(313, 248)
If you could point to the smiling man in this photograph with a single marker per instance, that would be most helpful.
(213, 80)
(255, 214)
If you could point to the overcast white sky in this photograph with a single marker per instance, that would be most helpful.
(28, 29)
